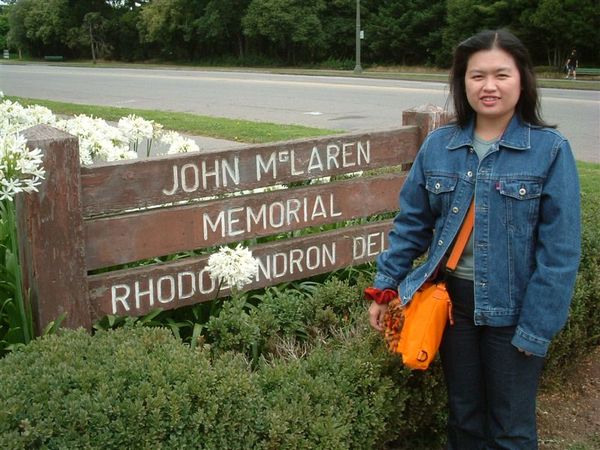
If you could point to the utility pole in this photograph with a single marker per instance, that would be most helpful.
(357, 68)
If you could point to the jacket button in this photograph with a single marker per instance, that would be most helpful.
(438, 185)
(455, 210)
(522, 191)
(469, 174)
(440, 242)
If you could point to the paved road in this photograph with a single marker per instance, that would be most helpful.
(327, 102)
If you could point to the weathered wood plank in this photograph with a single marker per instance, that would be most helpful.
(131, 184)
(121, 239)
(50, 225)
(136, 292)
(427, 118)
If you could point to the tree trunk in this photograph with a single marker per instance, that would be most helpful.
(240, 40)
(92, 44)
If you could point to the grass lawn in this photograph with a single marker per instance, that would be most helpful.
(216, 127)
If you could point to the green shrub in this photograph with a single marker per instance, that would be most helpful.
(582, 330)
(234, 328)
(133, 388)
(141, 388)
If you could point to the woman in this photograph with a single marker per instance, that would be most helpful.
(572, 65)
(512, 288)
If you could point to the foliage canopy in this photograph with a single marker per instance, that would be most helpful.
(251, 32)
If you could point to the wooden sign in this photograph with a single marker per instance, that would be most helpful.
(85, 223)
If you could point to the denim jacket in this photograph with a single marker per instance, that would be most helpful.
(526, 242)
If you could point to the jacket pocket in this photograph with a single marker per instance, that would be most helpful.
(440, 189)
(521, 200)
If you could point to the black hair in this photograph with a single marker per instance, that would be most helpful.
(528, 106)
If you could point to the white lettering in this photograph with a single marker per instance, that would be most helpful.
(232, 172)
(294, 261)
(180, 285)
(120, 298)
(208, 224)
(315, 162)
(346, 154)
(195, 178)
(175, 182)
(293, 169)
(296, 257)
(318, 208)
(276, 218)
(210, 173)
(279, 263)
(333, 152)
(293, 206)
(262, 168)
(139, 293)
(368, 246)
(204, 279)
(251, 218)
(274, 215)
(160, 290)
(364, 154)
(232, 221)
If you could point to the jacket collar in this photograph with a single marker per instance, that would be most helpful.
(516, 136)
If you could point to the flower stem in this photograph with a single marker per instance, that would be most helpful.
(24, 311)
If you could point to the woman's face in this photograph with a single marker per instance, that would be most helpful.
(493, 85)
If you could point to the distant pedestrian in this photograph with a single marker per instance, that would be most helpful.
(572, 65)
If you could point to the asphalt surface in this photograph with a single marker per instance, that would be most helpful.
(339, 103)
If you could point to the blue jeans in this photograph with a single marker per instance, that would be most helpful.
(491, 385)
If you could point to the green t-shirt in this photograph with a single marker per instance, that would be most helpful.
(464, 269)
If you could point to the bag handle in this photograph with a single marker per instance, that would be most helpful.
(462, 238)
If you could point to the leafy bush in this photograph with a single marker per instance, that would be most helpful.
(139, 387)
(582, 330)
(130, 388)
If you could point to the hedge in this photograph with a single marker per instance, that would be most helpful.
(294, 370)
(141, 388)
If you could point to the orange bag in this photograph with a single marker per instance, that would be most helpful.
(415, 331)
(424, 323)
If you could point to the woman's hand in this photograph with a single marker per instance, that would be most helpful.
(376, 313)
(523, 351)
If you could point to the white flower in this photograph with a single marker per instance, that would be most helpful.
(37, 114)
(14, 117)
(20, 168)
(233, 267)
(136, 128)
(179, 144)
(98, 141)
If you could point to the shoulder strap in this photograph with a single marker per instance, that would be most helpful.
(462, 238)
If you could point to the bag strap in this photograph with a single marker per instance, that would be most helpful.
(462, 238)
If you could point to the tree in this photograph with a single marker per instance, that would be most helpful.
(171, 27)
(562, 25)
(221, 24)
(37, 25)
(467, 17)
(95, 24)
(291, 26)
(406, 31)
(4, 29)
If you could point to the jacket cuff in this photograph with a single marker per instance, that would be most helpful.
(533, 344)
(384, 282)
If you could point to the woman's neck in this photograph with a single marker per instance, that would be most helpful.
(488, 129)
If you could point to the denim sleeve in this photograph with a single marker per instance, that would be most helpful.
(412, 229)
(558, 249)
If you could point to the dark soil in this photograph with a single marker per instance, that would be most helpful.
(569, 414)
